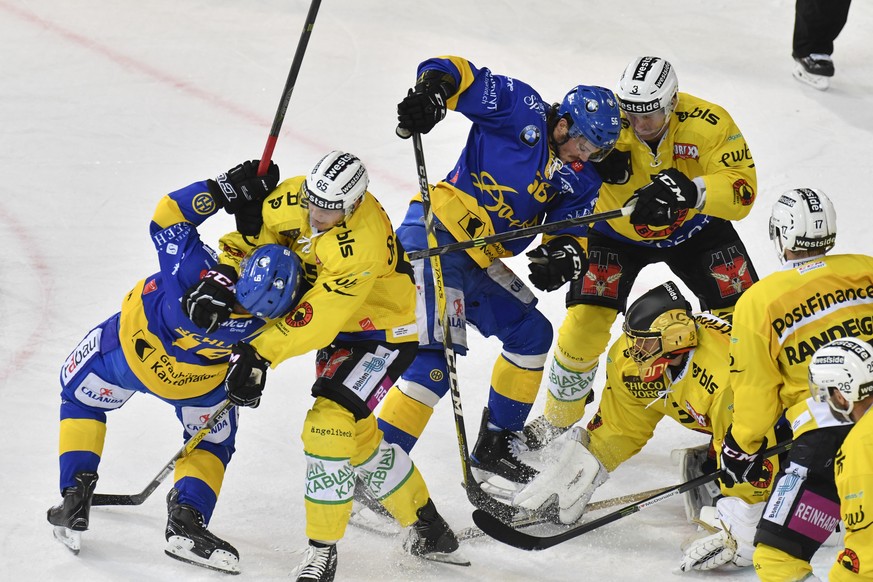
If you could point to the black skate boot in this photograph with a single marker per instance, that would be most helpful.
(318, 564)
(188, 539)
(540, 432)
(431, 538)
(497, 451)
(70, 518)
(814, 70)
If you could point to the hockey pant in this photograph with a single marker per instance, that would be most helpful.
(715, 267)
(497, 303)
(97, 379)
(337, 447)
(803, 510)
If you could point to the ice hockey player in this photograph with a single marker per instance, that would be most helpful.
(359, 316)
(151, 346)
(841, 375)
(525, 162)
(687, 166)
(778, 325)
(670, 363)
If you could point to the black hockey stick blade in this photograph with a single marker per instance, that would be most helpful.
(502, 532)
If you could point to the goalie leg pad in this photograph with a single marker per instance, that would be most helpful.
(571, 481)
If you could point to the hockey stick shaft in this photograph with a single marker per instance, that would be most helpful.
(502, 532)
(190, 445)
(289, 88)
(473, 532)
(475, 494)
(521, 233)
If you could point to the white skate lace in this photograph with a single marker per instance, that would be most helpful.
(315, 562)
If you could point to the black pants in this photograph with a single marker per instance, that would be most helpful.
(816, 24)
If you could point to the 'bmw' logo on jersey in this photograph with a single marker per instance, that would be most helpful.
(530, 135)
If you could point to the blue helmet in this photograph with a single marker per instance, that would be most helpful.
(595, 116)
(269, 281)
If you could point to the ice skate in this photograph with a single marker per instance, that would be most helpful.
(70, 518)
(814, 70)
(189, 541)
(431, 538)
(318, 564)
(497, 454)
(540, 432)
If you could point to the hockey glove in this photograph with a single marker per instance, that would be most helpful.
(740, 466)
(241, 185)
(425, 106)
(246, 376)
(614, 168)
(659, 202)
(249, 219)
(209, 302)
(554, 263)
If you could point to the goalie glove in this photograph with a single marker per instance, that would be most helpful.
(572, 480)
(728, 538)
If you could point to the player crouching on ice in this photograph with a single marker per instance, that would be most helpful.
(668, 362)
(152, 346)
(359, 318)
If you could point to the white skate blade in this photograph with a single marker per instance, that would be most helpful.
(495, 485)
(366, 519)
(71, 539)
(815, 81)
(456, 558)
(179, 548)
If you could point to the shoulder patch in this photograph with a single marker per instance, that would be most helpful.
(530, 135)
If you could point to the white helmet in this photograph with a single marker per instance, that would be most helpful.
(337, 182)
(648, 84)
(803, 219)
(845, 365)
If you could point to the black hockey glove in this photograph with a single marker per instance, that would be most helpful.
(425, 106)
(209, 302)
(249, 219)
(241, 185)
(659, 201)
(554, 263)
(740, 466)
(614, 168)
(246, 376)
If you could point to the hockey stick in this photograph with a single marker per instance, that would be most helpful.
(502, 532)
(469, 533)
(521, 233)
(289, 87)
(475, 494)
(138, 498)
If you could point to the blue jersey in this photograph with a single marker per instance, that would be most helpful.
(169, 354)
(507, 176)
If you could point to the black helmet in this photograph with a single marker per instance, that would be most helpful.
(659, 325)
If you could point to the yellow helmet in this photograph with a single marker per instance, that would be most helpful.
(659, 326)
